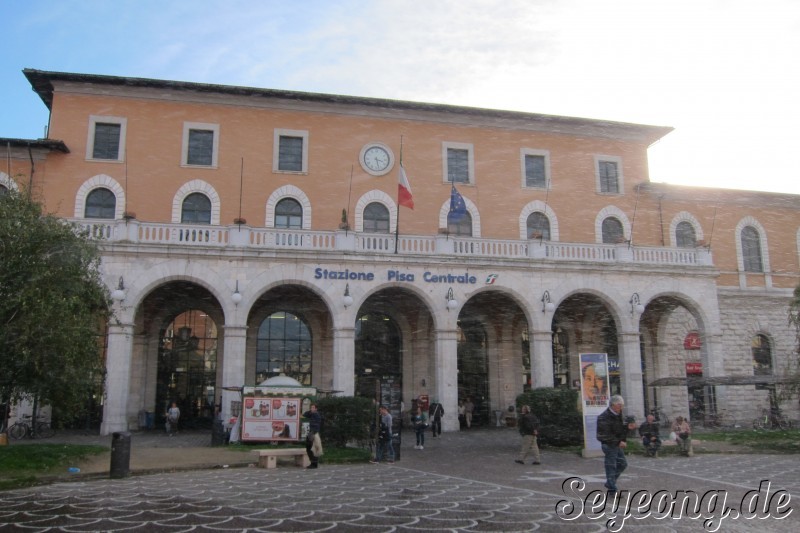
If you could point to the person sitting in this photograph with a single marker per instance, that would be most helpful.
(651, 440)
(683, 435)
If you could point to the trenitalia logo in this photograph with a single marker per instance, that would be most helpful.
(491, 278)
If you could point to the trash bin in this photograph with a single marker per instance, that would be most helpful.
(218, 433)
(120, 455)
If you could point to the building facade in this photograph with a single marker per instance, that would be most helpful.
(248, 233)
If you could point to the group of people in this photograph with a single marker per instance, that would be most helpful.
(612, 432)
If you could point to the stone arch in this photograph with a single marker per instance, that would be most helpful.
(8, 182)
(192, 187)
(101, 180)
(762, 237)
(611, 211)
(532, 207)
(381, 198)
(684, 216)
(472, 209)
(287, 191)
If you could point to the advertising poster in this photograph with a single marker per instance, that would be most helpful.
(269, 417)
(594, 397)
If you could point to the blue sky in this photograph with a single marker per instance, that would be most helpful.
(723, 73)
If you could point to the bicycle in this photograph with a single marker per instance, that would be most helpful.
(23, 428)
(771, 420)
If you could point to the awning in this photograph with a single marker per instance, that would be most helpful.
(702, 381)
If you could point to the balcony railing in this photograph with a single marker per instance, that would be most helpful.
(371, 243)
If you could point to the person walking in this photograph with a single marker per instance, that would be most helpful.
(612, 434)
(173, 416)
(435, 414)
(529, 429)
(313, 440)
(420, 422)
(385, 448)
(469, 408)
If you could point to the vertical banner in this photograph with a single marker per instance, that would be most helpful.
(594, 397)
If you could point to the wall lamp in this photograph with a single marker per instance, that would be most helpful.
(636, 305)
(450, 300)
(119, 292)
(547, 305)
(347, 300)
(236, 296)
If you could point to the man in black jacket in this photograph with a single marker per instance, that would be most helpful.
(612, 432)
(314, 427)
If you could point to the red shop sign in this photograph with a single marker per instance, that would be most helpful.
(692, 341)
(694, 368)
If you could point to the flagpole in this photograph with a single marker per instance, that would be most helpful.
(397, 218)
(347, 211)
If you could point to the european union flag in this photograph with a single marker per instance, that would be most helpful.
(458, 209)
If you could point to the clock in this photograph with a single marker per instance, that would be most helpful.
(376, 158)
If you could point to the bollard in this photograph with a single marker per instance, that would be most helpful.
(218, 433)
(120, 454)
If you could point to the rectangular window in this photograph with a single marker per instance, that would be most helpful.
(609, 174)
(458, 163)
(200, 144)
(290, 154)
(201, 148)
(290, 151)
(535, 168)
(106, 141)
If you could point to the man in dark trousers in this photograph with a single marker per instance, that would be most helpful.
(651, 440)
(435, 414)
(314, 427)
(612, 432)
(529, 429)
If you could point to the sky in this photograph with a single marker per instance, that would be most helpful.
(723, 73)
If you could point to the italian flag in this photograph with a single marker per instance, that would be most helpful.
(404, 189)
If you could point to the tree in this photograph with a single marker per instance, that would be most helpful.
(793, 387)
(53, 306)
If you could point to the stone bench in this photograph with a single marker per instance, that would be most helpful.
(268, 458)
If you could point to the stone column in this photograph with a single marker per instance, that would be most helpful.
(446, 368)
(344, 360)
(541, 347)
(118, 377)
(234, 356)
(630, 368)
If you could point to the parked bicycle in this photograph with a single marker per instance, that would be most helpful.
(25, 428)
(770, 419)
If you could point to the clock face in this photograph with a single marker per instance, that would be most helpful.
(376, 159)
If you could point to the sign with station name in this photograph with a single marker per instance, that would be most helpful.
(395, 275)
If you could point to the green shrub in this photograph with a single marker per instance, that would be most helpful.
(346, 419)
(557, 411)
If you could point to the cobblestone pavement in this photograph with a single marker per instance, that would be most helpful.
(465, 481)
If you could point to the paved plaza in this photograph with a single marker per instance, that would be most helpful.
(465, 481)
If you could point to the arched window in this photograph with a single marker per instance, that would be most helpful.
(460, 225)
(612, 231)
(762, 356)
(196, 209)
(376, 218)
(283, 346)
(100, 203)
(288, 214)
(538, 226)
(685, 236)
(751, 250)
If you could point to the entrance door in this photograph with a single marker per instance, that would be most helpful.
(187, 369)
(473, 369)
(377, 348)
